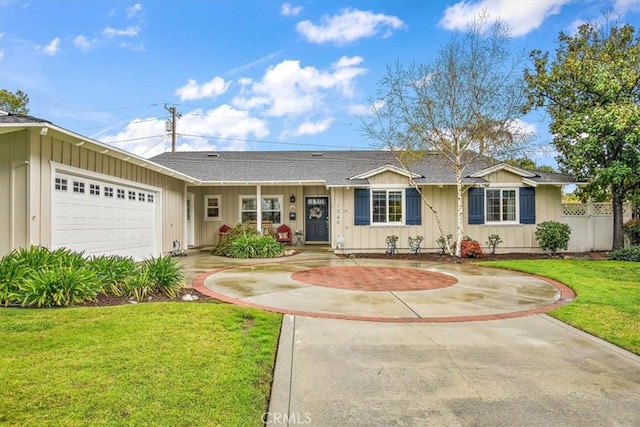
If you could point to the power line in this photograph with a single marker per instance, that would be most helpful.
(262, 141)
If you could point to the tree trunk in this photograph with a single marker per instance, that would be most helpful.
(459, 212)
(618, 219)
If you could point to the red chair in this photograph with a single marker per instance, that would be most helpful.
(283, 234)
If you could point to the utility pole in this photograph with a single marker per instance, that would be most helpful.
(171, 125)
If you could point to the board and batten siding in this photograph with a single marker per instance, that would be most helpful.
(206, 230)
(14, 181)
(373, 237)
(31, 217)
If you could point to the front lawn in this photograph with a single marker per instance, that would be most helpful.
(146, 364)
(608, 295)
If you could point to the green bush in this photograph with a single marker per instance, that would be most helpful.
(553, 235)
(165, 274)
(632, 230)
(113, 270)
(39, 277)
(12, 273)
(254, 246)
(138, 285)
(58, 286)
(632, 253)
(224, 245)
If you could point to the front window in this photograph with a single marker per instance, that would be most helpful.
(271, 209)
(386, 207)
(501, 205)
(211, 207)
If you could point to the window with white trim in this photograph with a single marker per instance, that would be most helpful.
(501, 205)
(132, 195)
(271, 209)
(150, 198)
(141, 197)
(120, 193)
(108, 191)
(61, 184)
(387, 206)
(212, 207)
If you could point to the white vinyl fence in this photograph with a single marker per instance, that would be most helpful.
(591, 225)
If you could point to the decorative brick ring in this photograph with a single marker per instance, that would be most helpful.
(374, 278)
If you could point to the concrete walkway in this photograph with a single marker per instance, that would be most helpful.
(432, 363)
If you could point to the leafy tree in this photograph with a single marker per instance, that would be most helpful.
(14, 102)
(527, 163)
(464, 105)
(591, 91)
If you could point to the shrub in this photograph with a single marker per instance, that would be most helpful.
(224, 245)
(165, 274)
(138, 285)
(254, 246)
(12, 274)
(553, 235)
(444, 243)
(632, 230)
(58, 286)
(493, 241)
(632, 253)
(471, 249)
(113, 270)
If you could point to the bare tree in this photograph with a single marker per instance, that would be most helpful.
(464, 105)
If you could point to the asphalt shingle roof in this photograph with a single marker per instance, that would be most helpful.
(11, 118)
(331, 167)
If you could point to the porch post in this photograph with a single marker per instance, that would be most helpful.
(259, 208)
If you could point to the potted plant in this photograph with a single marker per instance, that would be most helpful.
(392, 244)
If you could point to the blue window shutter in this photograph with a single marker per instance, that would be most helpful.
(362, 206)
(476, 205)
(527, 205)
(414, 207)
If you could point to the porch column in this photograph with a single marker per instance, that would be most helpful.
(259, 208)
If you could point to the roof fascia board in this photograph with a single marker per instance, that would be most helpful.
(103, 148)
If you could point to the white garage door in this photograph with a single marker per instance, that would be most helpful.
(103, 218)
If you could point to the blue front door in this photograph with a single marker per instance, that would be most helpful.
(316, 219)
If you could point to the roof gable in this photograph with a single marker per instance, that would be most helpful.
(503, 166)
(386, 168)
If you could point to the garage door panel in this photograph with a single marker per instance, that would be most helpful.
(106, 219)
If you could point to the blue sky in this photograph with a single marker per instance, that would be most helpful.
(244, 74)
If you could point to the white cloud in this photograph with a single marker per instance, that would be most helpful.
(364, 109)
(313, 128)
(133, 10)
(52, 48)
(521, 16)
(126, 32)
(350, 25)
(288, 10)
(289, 89)
(222, 128)
(84, 44)
(192, 90)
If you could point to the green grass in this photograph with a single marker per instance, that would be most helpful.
(608, 296)
(173, 364)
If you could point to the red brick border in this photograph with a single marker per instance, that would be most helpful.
(566, 296)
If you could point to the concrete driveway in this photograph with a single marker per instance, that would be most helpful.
(482, 361)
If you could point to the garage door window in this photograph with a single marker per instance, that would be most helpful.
(61, 184)
(132, 195)
(120, 193)
(108, 191)
(94, 189)
(78, 187)
(150, 198)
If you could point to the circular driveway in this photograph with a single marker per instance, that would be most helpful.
(380, 290)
